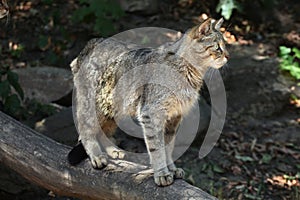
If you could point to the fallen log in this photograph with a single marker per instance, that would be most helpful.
(44, 162)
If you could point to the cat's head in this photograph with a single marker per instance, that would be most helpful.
(208, 44)
(3, 8)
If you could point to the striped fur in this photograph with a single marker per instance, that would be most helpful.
(114, 73)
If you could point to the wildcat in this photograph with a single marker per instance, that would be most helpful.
(158, 109)
(3, 9)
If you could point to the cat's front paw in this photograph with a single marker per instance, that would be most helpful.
(118, 154)
(99, 162)
(115, 153)
(178, 173)
(163, 178)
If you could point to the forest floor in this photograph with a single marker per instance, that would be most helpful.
(258, 153)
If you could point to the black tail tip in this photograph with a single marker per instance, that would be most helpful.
(77, 154)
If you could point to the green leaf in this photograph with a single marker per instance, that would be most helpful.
(99, 5)
(284, 50)
(289, 61)
(18, 51)
(12, 104)
(210, 172)
(105, 27)
(3, 70)
(43, 41)
(80, 14)
(13, 79)
(266, 158)
(226, 7)
(244, 158)
(52, 57)
(286, 66)
(295, 71)
(250, 196)
(47, 2)
(114, 8)
(4, 89)
(83, 1)
(218, 169)
(204, 167)
(99, 12)
(297, 52)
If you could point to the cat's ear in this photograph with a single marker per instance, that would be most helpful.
(219, 24)
(205, 27)
(202, 29)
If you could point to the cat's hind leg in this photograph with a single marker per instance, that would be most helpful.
(86, 121)
(109, 126)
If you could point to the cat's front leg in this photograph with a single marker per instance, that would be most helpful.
(153, 126)
(170, 136)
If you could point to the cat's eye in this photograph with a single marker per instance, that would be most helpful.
(218, 48)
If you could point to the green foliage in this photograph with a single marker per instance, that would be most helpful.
(211, 168)
(17, 52)
(42, 42)
(289, 60)
(268, 4)
(266, 159)
(244, 158)
(48, 2)
(226, 8)
(11, 93)
(36, 108)
(99, 12)
(52, 58)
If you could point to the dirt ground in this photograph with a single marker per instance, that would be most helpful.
(258, 153)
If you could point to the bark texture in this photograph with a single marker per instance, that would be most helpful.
(44, 162)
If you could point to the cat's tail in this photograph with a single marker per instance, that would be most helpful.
(77, 154)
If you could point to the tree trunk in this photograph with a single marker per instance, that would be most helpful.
(44, 162)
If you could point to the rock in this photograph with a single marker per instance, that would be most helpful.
(146, 7)
(147, 37)
(254, 87)
(45, 84)
(59, 127)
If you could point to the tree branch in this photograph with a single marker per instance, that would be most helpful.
(44, 162)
